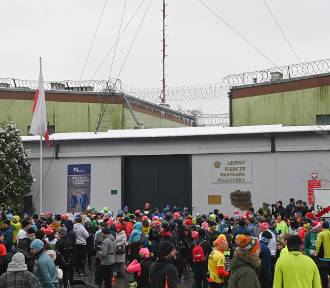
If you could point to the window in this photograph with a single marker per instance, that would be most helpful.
(323, 119)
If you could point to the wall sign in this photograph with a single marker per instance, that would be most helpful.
(214, 199)
(231, 171)
(79, 187)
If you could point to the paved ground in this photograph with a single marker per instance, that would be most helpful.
(123, 283)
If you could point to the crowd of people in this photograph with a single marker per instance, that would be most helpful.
(274, 246)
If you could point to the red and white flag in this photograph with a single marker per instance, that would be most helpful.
(39, 120)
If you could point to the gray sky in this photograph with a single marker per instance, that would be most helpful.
(201, 48)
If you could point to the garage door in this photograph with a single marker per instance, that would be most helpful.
(160, 180)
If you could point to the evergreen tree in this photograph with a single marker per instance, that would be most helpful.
(15, 169)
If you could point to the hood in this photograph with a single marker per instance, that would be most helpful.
(161, 263)
(137, 226)
(245, 259)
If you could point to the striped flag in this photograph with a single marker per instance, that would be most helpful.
(39, 121)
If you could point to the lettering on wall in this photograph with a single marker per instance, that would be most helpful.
(231, 171)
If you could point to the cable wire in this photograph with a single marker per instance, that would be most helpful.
(123, 31)
(93, 39)
(117, 40)
(237, 32)
(134, 39)
(282, 31)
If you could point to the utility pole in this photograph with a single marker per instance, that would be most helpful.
(163, 95)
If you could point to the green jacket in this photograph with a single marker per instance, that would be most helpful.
(324, 239)
(283, 227)
(296, 270)
(310, 243)
(243, 274)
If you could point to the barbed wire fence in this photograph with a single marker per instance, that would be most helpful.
(208, 103)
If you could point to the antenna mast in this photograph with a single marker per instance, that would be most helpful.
(163, 95)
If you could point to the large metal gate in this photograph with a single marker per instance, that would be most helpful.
(159, 180)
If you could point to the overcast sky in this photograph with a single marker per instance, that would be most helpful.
(201, 48)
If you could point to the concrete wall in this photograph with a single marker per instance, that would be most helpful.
(298, 107)
(275, 176)
(79, 117)
(105, 176)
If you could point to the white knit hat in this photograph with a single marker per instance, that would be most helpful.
(17, 263)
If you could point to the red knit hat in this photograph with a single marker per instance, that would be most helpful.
(119, 226)
(264, 226)
(194, 235)
(188, 222)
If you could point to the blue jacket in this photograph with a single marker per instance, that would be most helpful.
(8, 235)
(45, 271)
(265, 257)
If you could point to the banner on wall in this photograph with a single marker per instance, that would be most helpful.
(311, 185)
(79, 187)
(233, 171)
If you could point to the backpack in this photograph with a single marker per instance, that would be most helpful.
(198, 255)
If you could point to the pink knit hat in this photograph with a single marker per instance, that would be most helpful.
(205, 226)
(145, 252)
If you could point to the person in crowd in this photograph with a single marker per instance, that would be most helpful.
(278, 209)
(7, 232)
(245, 263)
(107, 258)
(272, 245)
(136, 241)
(17, 275)
(200, 250)
(241, 229)
(289, 208)
(16, 225)
(164, 273)
(264, 211)
(89, 243)
(141, 267)
(217, 263)
(212, 233)
(65, 252)
(295, 269)
(323, 251)
(281, 226)
(310, 239)
(22, 233)
(283, 242)
(81, 250)
(44, 268)
(121, 241)
(266, 279)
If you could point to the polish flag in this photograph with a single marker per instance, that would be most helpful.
(39, 121)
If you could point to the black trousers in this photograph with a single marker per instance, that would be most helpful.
(81, 251)
(324, 268)
(106, 272)
(215, 285)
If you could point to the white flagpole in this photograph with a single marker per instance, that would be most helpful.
(40, 193)
(40, 174)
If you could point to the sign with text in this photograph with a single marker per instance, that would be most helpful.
(214, 199)
(231, 171)
(312, 184)
(79, 187)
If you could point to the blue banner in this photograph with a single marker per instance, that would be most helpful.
(79, 169)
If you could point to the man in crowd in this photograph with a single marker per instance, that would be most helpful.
(295, 269)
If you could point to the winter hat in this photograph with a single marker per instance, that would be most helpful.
(62, 231)
(176, 215)
(51, 254)
(194, 235)
(17, 263)
(118, 226)
(145, 252)
(188, 222)
(213, 217)
(264, 226)
(37, 245)
(49, 231)
(165, 248)
(221, 238)
(87, 220)
(205, 226)
(17, 218)
(105, 209)
(316, 226)
(106, 230)
(310, 215)
(236, 212)
(247, 243)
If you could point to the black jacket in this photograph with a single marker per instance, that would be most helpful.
(64, 249)
(163, 270)
(143, 280)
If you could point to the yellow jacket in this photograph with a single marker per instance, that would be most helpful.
(324, 239)
(296, 270)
